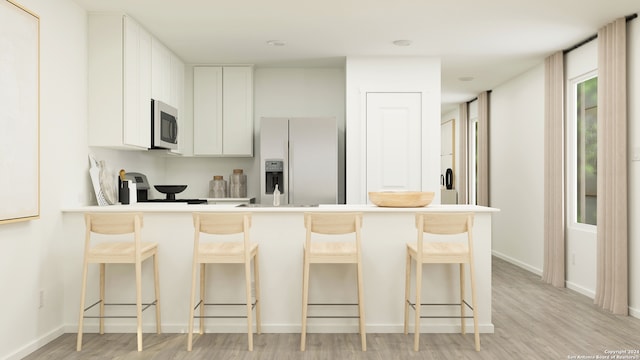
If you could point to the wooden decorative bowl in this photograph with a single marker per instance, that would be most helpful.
(401, 198)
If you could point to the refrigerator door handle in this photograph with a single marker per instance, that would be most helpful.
(290, 170)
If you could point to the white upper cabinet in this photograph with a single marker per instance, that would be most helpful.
(223, 110)
(119, 82)
(167, 75)
(167, 83)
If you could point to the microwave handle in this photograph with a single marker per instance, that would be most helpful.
(175, 130)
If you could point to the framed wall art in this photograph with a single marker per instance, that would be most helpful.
(20, 113)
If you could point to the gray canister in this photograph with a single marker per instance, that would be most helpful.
(218, 187)
(237, 184)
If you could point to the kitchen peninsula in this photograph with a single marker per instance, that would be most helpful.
(280, 233)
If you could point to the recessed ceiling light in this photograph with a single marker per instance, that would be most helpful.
(466, 78)
(276, 43)
(402, 42)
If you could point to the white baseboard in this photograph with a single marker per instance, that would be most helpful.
(286, 328)
(37, 344)
(634, 312)
(516, 262)
(580, 289)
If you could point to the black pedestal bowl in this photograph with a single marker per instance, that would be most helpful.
(170, 190)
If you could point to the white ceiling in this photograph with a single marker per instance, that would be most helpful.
(489, 40)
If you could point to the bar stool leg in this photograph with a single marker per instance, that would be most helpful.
(407, 292)
(156, 279)
(203, 272)
(475, 306)
(102, 293)
(139, 302)
(247, 284)
(305, 298)
(363, 330)
(256, 277)
(194, 270)
(416, 336)
(83, 292)
(462, 306)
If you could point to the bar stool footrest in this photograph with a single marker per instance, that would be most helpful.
(200, 303)
(145, 307)
(413, 305)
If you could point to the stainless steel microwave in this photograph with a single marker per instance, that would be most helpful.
(164, 126)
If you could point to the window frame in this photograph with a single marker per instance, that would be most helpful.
(572, 154)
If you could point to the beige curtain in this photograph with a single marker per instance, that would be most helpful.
(482, 196)
(612, 272)
(463, 163)
(554, 245)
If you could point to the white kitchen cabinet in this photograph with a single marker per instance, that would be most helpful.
(167, 75)
(167, 83)
(160, 72)
(119, 82)
(223, 110)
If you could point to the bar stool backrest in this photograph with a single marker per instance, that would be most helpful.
(221, 223)
(444, 224)
(113, 224)
(333, 223)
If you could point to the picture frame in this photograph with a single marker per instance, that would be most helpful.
(20, 116)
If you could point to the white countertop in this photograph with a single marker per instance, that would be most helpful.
(184, 207)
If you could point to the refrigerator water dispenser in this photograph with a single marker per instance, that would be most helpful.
(274, 175)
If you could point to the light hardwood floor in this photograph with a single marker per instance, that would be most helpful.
(532, 320)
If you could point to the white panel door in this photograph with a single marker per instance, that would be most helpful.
(393, 141)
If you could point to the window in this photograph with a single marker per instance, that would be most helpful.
(586, 192)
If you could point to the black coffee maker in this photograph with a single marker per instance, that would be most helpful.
(142, 184)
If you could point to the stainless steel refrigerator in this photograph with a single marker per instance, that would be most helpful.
(300, 155)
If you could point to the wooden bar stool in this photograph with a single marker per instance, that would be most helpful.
(441, 252)
(117, 252)
(224, 252)
(338, 252)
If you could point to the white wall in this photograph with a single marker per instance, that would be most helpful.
(278, 92)
(29, 254)
(516, 162)
(410, 74)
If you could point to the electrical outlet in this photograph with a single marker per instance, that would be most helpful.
(41, 299)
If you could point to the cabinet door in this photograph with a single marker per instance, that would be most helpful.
(137, 85)
(393, 141)
(160, 72)
(237, 108)
(207, 110)
(177, 98)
